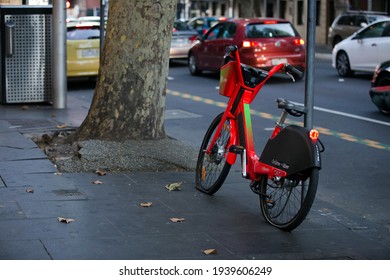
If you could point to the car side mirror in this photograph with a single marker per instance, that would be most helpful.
(357, 36)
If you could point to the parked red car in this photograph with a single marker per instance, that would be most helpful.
(262, 43)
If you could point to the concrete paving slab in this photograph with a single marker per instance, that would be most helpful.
(12, 153)
(15, 140)
(137, 247)
(111, 224)
(31, 249)
(86, 225)
(40, 194)
(27, 166)
(33, 180)
(4, 126)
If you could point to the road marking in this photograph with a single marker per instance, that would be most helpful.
(348, 115)
(325, 131)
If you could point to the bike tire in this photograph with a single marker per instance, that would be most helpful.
(285, 202)
(212, 170)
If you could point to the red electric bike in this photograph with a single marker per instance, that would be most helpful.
(285, 175)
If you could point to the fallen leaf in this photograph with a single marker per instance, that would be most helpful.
(146, 204)
(65, 220)
(177, 220)
(174, 186)
(62, 125)
(97, 182)
(210, 251)
(53, 115)
(101, 172)
(25, 107)
(29, 190)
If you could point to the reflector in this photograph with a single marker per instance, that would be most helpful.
(314, 134)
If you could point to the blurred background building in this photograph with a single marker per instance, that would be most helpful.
(293, 10)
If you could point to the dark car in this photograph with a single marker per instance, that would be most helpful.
(262, 43)
(203, 24)
(380, 91)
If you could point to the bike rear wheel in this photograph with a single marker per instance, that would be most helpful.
(212, 169)
(285, 202)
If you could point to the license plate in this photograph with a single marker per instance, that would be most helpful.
(89, 53)
(277, 61)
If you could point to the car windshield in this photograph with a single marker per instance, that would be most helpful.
(270, 30)
(376, 30)
(180, 26)
(83, 33)
(374, 18)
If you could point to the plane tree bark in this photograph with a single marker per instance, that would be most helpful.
(129, 98)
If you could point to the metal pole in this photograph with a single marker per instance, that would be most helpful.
(102, 23)
(310, 51)
(59, 55)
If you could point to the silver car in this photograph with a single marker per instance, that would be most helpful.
(182, 39)
(348, 23)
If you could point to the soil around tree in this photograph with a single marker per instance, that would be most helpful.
(161, 155)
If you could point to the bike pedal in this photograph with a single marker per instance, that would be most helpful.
(236, 149)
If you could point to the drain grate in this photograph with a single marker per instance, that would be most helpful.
(68, 193)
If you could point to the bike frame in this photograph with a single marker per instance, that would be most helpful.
(238, 114)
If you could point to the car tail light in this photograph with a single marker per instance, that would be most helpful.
(270, 22)
(299, 42)
(192, 38)
(249, 44)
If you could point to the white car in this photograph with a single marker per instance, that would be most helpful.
(363, 50)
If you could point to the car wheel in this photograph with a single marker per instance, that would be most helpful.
(342, 65)
(192, 65)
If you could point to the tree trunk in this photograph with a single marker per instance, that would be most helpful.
(129, 99)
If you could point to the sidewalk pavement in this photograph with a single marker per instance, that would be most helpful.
(107, 221)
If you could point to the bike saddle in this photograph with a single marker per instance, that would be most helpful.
(291, 108)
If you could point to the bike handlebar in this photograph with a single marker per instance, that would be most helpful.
(230, 49)
(293, 71)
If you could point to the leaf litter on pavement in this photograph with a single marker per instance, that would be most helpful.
(174, 186)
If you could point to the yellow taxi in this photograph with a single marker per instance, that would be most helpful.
(83, 48)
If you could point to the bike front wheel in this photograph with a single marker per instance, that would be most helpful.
(286, 201)
(212, 168)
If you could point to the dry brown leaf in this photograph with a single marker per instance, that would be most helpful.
(97, 182)
(25, 107)
(53, 115)
(177, 220)
(65, 220)
(210, 251)
(101, 172)
(146, 204)
(29, 190)
(174, 186)
(64, 125)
